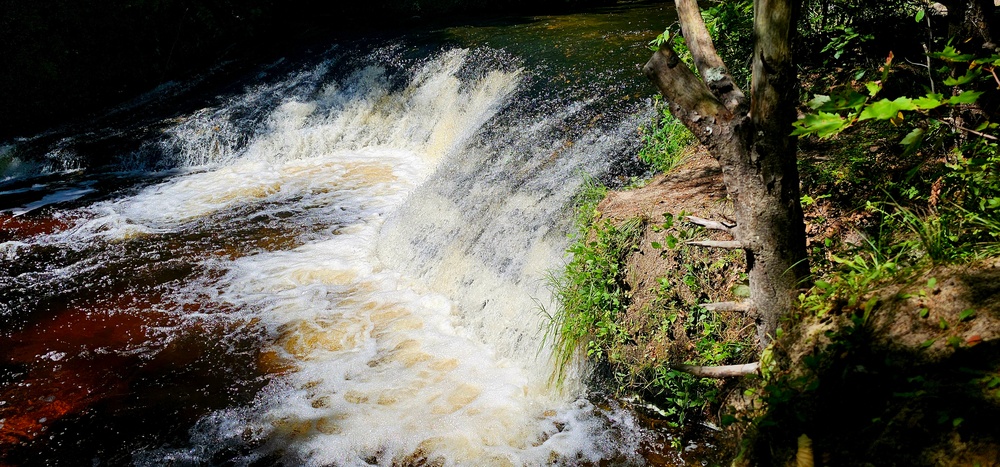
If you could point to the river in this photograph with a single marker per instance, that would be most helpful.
(338, 259)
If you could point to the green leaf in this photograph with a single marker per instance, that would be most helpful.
(657, 245)
(920, 16)
(964, 79)
(931, 283)
(817, 101)
(741, 290)
(873, 88)
(822, 124)
(966, 97)
(913, 138)
(967, 314)
(924, 312)
(927, 343)
(671, 241)
(930, 101)
(886, 109)
(951, 54)
(848, 99)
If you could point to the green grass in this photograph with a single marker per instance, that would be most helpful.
(592, 292)
(665, 141)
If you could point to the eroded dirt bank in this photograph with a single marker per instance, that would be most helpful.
(912, 380)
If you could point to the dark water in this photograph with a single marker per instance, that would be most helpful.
(339, 259)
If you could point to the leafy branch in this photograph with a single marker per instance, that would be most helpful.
(835, 113)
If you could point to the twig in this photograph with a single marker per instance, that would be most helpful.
(930, 37)
(977, 133)
(726, 306)
(711, 225)
(957, 126)
(911, 62)
(993, 72)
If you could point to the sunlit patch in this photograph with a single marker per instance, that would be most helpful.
(302, 339)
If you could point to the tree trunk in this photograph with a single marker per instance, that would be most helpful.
(750, 139)
(972, 23)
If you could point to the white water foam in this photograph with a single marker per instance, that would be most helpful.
(375, 363)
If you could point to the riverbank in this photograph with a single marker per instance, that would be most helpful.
(898, 367)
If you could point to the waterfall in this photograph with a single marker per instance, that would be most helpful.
(407, 212)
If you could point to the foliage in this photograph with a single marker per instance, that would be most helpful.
(843, 39)
(681, 395)
(665, 140)
(844, 32)
(585, 202)
(591, 291)
(856, 275)
(731, 26)
(969, 213)
(835, 113)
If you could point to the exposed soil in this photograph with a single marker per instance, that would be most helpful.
(696, 189)
(917, 383)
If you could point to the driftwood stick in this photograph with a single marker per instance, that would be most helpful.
(724, 371)
(726, 306)
(725, 245)
(712, 225)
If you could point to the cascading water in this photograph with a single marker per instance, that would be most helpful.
(349, 262)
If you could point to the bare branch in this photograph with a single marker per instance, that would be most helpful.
(957, 126)
(689, 97)
(977, 133)
(712, 225)
(726, 306)
(725, 245)
(711, 67)
(724, 371)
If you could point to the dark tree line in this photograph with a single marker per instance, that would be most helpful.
(66, 58)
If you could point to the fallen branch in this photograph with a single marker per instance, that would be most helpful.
(726, 306)
(726, 245)
(724, 371)
(712, 225)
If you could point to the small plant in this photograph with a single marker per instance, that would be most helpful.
(665, 140)
(844, 38)
(592, 292)
(691, 333)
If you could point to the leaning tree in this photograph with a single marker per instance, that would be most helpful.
(750, 137)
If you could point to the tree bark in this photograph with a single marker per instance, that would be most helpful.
(752, 142)
(972, 23)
